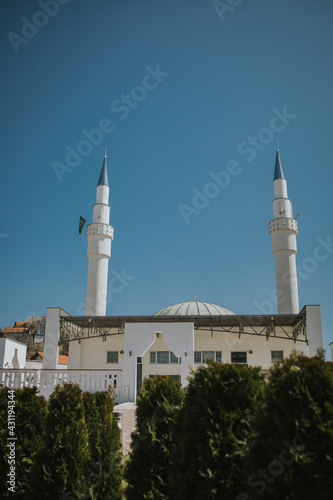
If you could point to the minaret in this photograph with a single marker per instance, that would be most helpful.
(100, 235)
(283, 230)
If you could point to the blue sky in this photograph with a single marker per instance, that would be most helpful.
(179, 91)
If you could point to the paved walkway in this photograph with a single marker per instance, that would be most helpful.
(128, 421)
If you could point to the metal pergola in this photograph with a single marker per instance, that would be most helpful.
(283, 326)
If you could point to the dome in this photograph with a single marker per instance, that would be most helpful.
(194, 309)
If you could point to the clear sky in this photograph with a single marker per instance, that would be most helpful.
(180, 91)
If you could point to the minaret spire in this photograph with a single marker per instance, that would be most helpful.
(283, 229)
(100, 235)
(103, 178)
(278, 171)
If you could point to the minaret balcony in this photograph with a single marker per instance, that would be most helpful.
(283, 223)
(100, 229)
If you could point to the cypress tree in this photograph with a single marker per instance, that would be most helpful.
(104, 469)
(291, 456)
(214, 429)
(149, 463)
(29, 414)
(61, 464)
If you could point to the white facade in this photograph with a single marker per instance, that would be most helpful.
(35, 364)
(12, 354)
(144, 347)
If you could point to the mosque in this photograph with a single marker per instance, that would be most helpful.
(182, 336)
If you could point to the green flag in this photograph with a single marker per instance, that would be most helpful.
(82, 223)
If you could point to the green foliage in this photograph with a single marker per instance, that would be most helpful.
(30, 412)
(214, 431)
(292, 453)
(62, 461)
(69, 448)
(148, 467)
(232, 434)
(104, 469)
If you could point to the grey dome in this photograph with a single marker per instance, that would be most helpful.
(194, 309)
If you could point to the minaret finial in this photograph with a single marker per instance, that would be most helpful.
(105, 151)
(277, 144)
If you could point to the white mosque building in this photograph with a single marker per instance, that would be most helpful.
(120, 351)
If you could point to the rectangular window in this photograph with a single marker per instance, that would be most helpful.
(197, 356)
(173, 358)
(112, 357)
(207, 355)
(175, 377)
(218, 356)
(152, 357)
(238, 357)
(163, 357)
(138, 373)
(277, 356)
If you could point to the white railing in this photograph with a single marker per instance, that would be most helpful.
(47, 380)
(17, 379)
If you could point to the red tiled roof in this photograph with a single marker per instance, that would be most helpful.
(61, 358)
(14, 330)
(19, 324)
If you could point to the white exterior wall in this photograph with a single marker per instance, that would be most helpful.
(12, 354)
(286, 282)
(74, 355)
(33, 364)
(102, 197)
(282, 207)
(314, 329)
(260, 347)
(52, 336)
(97, 283)
(159, 368)
(99, 246)
(38, 365)
(92, 353)
(101, 213)
(139, 337)
(280, 188)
